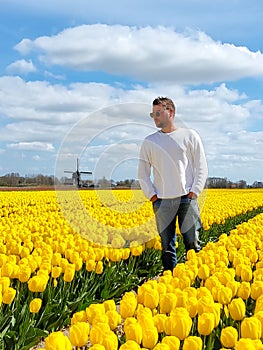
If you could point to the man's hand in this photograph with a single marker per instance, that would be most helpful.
(154, 198)
(192, 195)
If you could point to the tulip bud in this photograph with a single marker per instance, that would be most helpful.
(172, 342)
(130, 345)
(35, 305)
(206, 323)
(9, 295)
(237, 309)
(79, 333)
(149, 337)
(251, 328)
(229, 337)
(57, 341)
(193, 343)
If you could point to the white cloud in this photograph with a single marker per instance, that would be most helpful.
(32, 146)
(190, 57)
(21, 67)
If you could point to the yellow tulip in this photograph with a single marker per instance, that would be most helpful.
(159, 322)
(151, 298)
(237, 309)
(224, 295)
(109, 305)
(244, 290)
(56, 271)
(149, 337)
(256, 289)
(99, 267)
(79, 316)
(5, 283)
(133, 331)
(57, 341)
(98, 332)
(167, 302)
(37, 284)
(110, 341)
(79, 333)
(90, 265)
(24, 274)
(203, 272)
(193, 343)
(128, 305)
(69, 273)
(179, 323)
(114, 319)
(259, 315)
(251, 328)
(161, 346)
(130, 345)
(35, 305)
(172, 342)
(229, 337)
(94, 310)
(245, 344)
(206, 323)
(246, 273)
(9, 295)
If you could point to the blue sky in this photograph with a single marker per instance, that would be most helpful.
(77, 80)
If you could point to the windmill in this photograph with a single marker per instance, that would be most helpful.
(76, 175)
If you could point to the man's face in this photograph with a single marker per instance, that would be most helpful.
(160, 115)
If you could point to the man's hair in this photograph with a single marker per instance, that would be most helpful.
(165, 101)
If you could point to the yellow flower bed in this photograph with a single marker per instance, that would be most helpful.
(216, 294)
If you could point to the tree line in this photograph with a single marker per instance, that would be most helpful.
(15, 180)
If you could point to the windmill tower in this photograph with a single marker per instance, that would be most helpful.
(76, 175)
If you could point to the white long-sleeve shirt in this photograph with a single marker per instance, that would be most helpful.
(177, 162)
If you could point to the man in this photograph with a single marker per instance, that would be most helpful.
(177, 159)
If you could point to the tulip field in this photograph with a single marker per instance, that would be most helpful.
(82, 270)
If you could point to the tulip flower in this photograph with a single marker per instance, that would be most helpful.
(98, 332)
(110, 341)
(128, 305)
(114, 319)
(133, 331)
(237, 309)
(35, 305)
(245, 344)
(179, 323)
(94, 310)
(224, 295)
(167, 303)
(69, 273)
(259, 315)
(151, 298)
(79, 316)
(79, 333)
(244, 290)
(206, 323)
(37, 284)
(172, 342)
(251, 328)
(57, 341)
(149, 337)
(229, 337)
(130, 345)
(203, 272)
(99, 268)
(193, 343)
(9, 295)
(161, 346)
(246, 273)
(256, 289)
(159, 322)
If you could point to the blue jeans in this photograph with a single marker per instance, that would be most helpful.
(166, 211)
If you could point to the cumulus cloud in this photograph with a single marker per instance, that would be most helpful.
(191, 57)
(21, 67)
